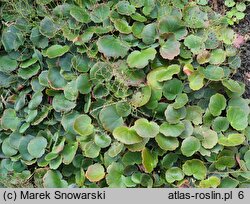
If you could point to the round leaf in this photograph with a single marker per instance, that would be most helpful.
(167, 143)
(170, 49)
(7, 64)
(147, 129)
(172, 130)
(83, 126)
(195, 168)
(112, 47)
(36, 146)
(61, 104)
(95, 172)
(141, 59)
(53, 179)
(190, 145)
(110, 118)
(217, 104)
(126, 135)
(174, 174)
(237, 118)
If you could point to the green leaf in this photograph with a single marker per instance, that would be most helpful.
(91, 150)
(80, 63)
(131, 158)
(140, 59)
(190, 145)
(162, 74)
(232, 85)
(29, 62)
(56, 51)
(229, 3)
(229, 182)
(36, 146)
(115, 149)
(149, 33)
(225, 160)
(7, 149)
(170, 49)
(95, 172)
(167, 143)
(100, 13)
(138, 146)
(12, 38)
(36, 100)
(38, 39)
(194, 114)
(47, 27)
(174, 174)
(203, 57)
(232, 140)
(9, 120)
(138, 17)
(211, 182)
(172, 130)
(213, 73)
(166, 73)
(209, 137)
(146, 129)
(247, 159)
(122, 26)
(80, 14)
(55, 163)
(137, 28)
(115, 175)
(172, 24)
(194, 43)
(196, 80)
(180, 101)
(70, 90)
(217, 104)
(14, 140)
(123, 109)
(218, 56)
(220, 124)
(7, 64)
(172, 88)
(237, 118)
(109, 118)
(174, 116)
(125, 8)
(194, 17)
(61, 104)
(149, 160)
(102, 140)
(83, 84)
(55, 78)
(53, 179)
(69, 152)
(195, 168)
(112, 47)
(29, 72)
(83, 126)
(68, 121)
(126, 135)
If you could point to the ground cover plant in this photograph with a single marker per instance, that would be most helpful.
(131, 93)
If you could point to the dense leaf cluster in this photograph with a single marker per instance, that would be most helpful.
(131, 93)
